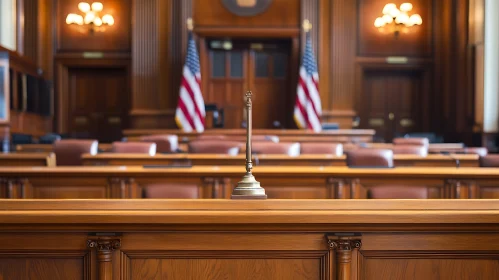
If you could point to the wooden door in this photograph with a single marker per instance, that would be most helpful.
(262, 68)
(98, 103)
(391, 103)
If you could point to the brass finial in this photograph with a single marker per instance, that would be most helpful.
(248, 187)
(307, 26)
(190, 24)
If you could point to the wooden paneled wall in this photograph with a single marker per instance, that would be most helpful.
(151, 35)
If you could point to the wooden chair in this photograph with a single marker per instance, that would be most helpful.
(321, 148)
(215, 147)
(384, 158)
(134, 148)
(69, 151)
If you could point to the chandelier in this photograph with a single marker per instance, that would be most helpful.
(397, 20)
(92, 17)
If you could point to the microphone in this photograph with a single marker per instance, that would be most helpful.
(456, 160)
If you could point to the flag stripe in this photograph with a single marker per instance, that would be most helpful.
(188, 88)
(307, 93)
(185, 112)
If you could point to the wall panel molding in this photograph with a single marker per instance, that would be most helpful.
(343, 51)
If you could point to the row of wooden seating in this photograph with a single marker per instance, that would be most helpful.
(78, 152)
(218, 181)
(169, 144)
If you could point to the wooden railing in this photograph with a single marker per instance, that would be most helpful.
(272, 239)
(303, 182)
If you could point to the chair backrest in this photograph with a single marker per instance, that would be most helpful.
(211, 137)
(411, 141)
(398, 192)
(321, 148)
(18, 139)
(49, 138)
(215, 147)
(370, 158)
(281, 148)
(165, 143)
(481, 151)
(489, 161)
(410, 150)
(170, 190)
(69, 151)
(134, 148)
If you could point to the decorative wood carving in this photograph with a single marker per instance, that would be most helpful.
(343, 246)
(246, 8)
(104, 247)
(122, 188)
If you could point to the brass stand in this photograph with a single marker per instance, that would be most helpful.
(248, 187)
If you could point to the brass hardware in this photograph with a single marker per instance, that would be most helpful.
(391, 116)
(93, 55)
(406, 122)
(397, 60)
(376, 122)
(114, 120)
(246, 3)
(80, 120)
(256, 46)
(248, 187)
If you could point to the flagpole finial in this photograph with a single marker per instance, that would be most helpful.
(190, 24)
(307, 26)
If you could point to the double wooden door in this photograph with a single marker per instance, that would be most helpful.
(263, 68)
(391, 102)
(98, 103)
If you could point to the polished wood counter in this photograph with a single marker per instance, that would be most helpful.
(265, 160)
(27, 159)
(314, 182)
(269, 239)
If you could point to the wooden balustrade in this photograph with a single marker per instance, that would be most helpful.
(304, 182)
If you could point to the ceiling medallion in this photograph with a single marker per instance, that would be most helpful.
(247, 8)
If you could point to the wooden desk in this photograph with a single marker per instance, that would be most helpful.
(218, 181)
(27, 159)
(285, 135)
(268, 160)
(48, 148)
(246, 240)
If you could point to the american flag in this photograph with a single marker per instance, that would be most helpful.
(308, 108)
(190, 112)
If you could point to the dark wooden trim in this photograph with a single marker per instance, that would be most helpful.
(247, 32)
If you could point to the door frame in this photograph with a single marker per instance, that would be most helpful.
(62, 65)
(424, 66)
(256, 33)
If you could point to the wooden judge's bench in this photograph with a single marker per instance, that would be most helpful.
(243, 239)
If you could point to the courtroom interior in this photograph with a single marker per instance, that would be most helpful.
(249, 139)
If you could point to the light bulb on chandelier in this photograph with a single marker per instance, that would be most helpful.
(397, 20)
(91, 17)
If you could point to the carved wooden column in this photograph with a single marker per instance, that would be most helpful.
(343, 245)
(105, 247)
(463, 189)
(341, 188)
(122, 188)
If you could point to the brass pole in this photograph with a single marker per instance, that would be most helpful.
(248, 187)
(249, 128)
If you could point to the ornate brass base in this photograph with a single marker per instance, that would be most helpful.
(248, 188)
